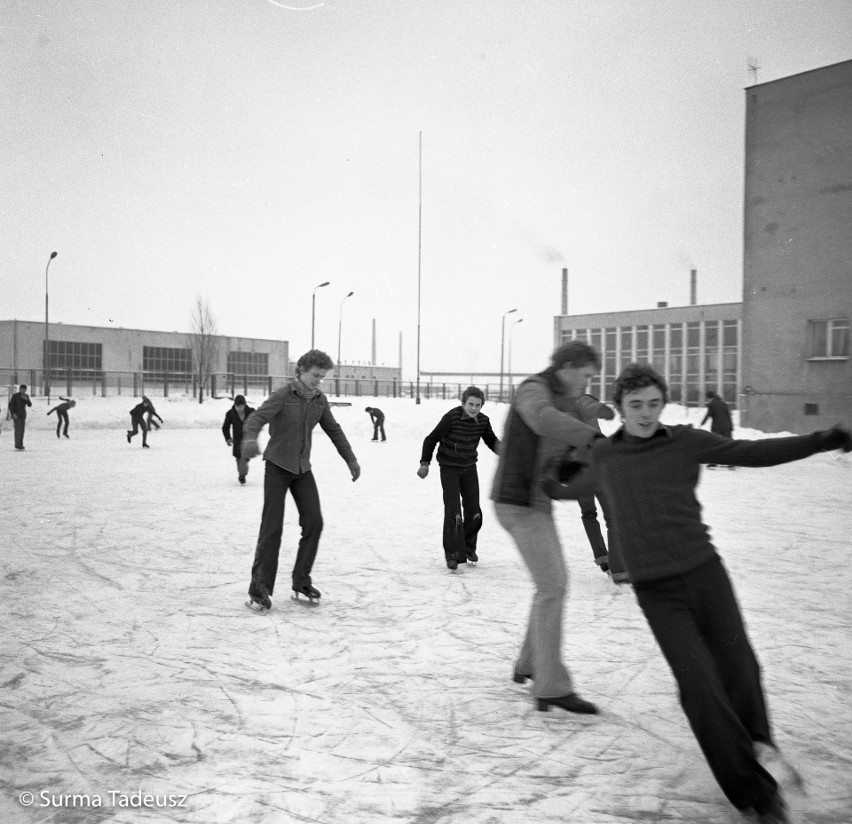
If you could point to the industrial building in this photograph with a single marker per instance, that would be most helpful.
(782, 356)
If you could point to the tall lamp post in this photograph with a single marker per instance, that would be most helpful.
(314, 310)
(512, 329)
(503, 348)
(46, 359)
(340, 328)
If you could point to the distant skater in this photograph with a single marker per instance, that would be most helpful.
(137, 419)
(377, 417)
(457, 438)
(649, 473)
(232, 429)
(292, 412)
(719, 415)
(62, 414)
(18, 410)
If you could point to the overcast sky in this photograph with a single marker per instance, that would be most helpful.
(247, 151)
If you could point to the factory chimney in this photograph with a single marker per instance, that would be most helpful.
(564, 291)
(373, 361)
(693, 287)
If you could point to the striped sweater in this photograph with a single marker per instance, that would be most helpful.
(457, 437)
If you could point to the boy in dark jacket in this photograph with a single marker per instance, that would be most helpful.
(18, 404)
(137, 418)
(457, 437)
(232, 429)
(649, 473)
(62, 414)
(377, 418)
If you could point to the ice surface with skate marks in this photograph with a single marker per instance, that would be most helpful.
(130, 662)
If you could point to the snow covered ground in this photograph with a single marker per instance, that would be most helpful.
(129, 663)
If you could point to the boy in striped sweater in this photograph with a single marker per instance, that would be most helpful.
(457, 438)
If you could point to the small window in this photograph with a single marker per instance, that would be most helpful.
(812, 409)
(829, 338)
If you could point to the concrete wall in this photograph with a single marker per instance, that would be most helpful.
(797, 247)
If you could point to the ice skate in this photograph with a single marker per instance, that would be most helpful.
(571, 702)
(311, 593)
(773, 761)
(472, 558)
(259, 598)
(256, 606)
(452, 564)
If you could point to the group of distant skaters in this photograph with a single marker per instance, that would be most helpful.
(644, 476)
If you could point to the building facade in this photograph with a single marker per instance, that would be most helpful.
(695, 347)
(111, 360)
(797, 272)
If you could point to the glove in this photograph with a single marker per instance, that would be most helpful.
(423, 471)
(250, 450)
(355, 469)
(838, 437)
(230, 442)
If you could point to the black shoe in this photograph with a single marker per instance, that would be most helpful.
(774, 811)
(521, 677)
(145, 446)
(472, 557)
(242, 479)
(452, 563)
(307, 590)
(571, 702)
(66, 435)
(129, 436)
(259, 594)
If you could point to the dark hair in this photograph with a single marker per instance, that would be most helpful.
(240, 399)
(312, 358)
(709, 394)
(576, 353)
(22, 387)
(636, 376)
(368, 409)
(472, 392)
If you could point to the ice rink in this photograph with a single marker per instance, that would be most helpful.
(131, 667)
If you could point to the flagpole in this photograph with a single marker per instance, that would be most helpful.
(419, 246)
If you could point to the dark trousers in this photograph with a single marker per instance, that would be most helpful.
(61, 417)
(139, 423)
(20, 425)
(462, 515)
(697, 623)
(303, 488)
(379, 426)
(589, 513)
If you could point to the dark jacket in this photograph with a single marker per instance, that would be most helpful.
(232, 429)
(543, 421)
(457, 437)
(143, 409)
(18, 404)
(720, 417)
(650, 487)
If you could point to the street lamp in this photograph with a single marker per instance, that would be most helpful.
(314, 310)
(46, 359)
(511, 329)
(503, 347)
(340, 329)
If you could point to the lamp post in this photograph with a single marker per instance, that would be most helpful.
(340, 328)
(314, 310)
(46, 359)
(503, 348)
(512, 329)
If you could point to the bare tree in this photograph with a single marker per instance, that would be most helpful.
(204, 343)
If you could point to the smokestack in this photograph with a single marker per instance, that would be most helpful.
(662, 304)
(564, 291)
(693, 287)
(373, 361)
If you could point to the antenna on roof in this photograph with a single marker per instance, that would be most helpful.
(753, 67)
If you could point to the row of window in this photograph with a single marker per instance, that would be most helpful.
(85, 358)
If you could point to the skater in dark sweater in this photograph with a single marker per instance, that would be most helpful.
(377, 418)
(232, 429)
(18, 404)
(292, 412)
(719, 416)
(457, 438)
(137, 419)
(61, 411)
(649, 473)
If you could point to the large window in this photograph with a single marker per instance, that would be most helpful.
(84, 360)
(166, 361)
(248, 363)
(829, 338)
